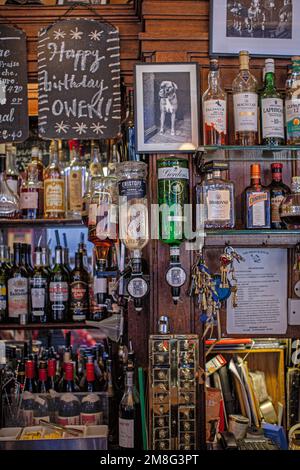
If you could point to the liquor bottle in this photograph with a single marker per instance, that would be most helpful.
(43, 377)
(59, 289)
(12, 174)
(114, 159)
(37, 163)
(100, 292)
(79, 290)
(257, 198)
(214, 105)
(30, 384)
(39, 290)
(54, 188)
(127, 415)
(278, 191)
(4, 269)
(31, 195)
(290, 207)
(66, 259)
(17, 288)
(215, 199)
(128, 130)
(76, 182)
(25, 259)
(271, 106)
(245, 104)
(292, 105)
(9, 201)
(20, 373)
(51, 372)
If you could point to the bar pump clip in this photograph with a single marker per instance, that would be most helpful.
(175, 275)
(138, 284)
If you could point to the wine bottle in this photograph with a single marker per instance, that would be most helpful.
(17, 288)
(59, 289)
(42, 382)
(39, 290)
(30, 383)
(68, 382)
(52, 384)
(127, 415)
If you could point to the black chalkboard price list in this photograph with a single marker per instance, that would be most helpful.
(14, 122)
(79, 80)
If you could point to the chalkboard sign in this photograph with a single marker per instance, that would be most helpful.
(14, 121)
(79, 80)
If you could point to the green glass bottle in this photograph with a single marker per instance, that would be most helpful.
(173, 190)
(272, 111)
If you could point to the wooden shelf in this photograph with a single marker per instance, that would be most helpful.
(45, 326)
(251, 238)
(6, 223)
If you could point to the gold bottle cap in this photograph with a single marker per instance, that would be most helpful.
(244, 59)
(255, 170)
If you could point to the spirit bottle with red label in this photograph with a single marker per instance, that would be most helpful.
(257, 200)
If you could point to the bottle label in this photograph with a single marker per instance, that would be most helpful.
(68, 420)
(75, 190)
(91, 418)
(173, 173)
(126, 433)
(13, 184)
(59, 291)
(54, 195)
(257, 204)
(214, 112)
(276, 200)
(92, 214)
(17, 296)
(245, 112)
(79, 290)
(107, 216)
(38, 295)
(29, 200)
(292, 116)
(100, 285)
(132, 189)
(3, 294)
(218, 204)
(272, 118)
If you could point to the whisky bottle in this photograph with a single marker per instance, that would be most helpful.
(245, 104)
(292, 105)
(214, 105)
(215, 199)
(271, 105)
(17, 288)
(54, 188)
(278, 191)
(38, 288)
(257, 199)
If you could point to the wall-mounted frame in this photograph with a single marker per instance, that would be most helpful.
(262, 27)
(167, 107)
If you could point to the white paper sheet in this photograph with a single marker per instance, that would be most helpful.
(262, 293)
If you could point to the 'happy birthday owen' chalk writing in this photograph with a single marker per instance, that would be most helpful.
(14, 122)
(79, 80)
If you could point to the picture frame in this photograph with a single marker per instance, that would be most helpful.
(167, 107)
(262, 27)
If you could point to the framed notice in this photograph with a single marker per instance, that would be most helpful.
(262, 27)
(262, 293)
(79, 80)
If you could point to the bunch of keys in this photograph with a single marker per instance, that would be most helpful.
(296, 266)
(227, 268)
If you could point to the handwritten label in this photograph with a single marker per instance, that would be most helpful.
(79, 80)
(14, 123)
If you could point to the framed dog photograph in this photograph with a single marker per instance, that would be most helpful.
(167, 107)
(262, 27)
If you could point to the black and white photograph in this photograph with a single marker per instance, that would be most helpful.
(258, 26)
(260, 18)
(167, 107)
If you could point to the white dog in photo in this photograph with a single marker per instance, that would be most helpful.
(168, 104)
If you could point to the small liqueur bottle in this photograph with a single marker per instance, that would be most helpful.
(59, 289)
(214, 105)
(215, 199)
(39, 290)
(17, 288)
(245, 104)
(271, 104)
(257, 199)
(278, 191)
(9, 201)
(54, 188)
(292, 105)
(79, 293)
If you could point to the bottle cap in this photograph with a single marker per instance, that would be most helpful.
(276, 166)
(42, 374)
(90, 372)
(69, 371)
(29, 369)
(255, 170)
(270, 65)
(214, 64)
(244, 59)
(51, 367)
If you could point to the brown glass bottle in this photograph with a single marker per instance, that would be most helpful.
(257, 200)
(79, 293)
(278, 191)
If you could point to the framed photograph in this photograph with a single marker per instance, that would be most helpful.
(262, 27)
(167, 107)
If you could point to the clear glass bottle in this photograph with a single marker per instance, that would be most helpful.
(215, 200)
(76, 176)
(245, 104)
(12, 173)
(54, 188)
(292, 105)
(214, 106)
(9, 201)
(289, 209)
(37, 163)
(32, 195)
(272, 111)
(257, 202)
(95, 170)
